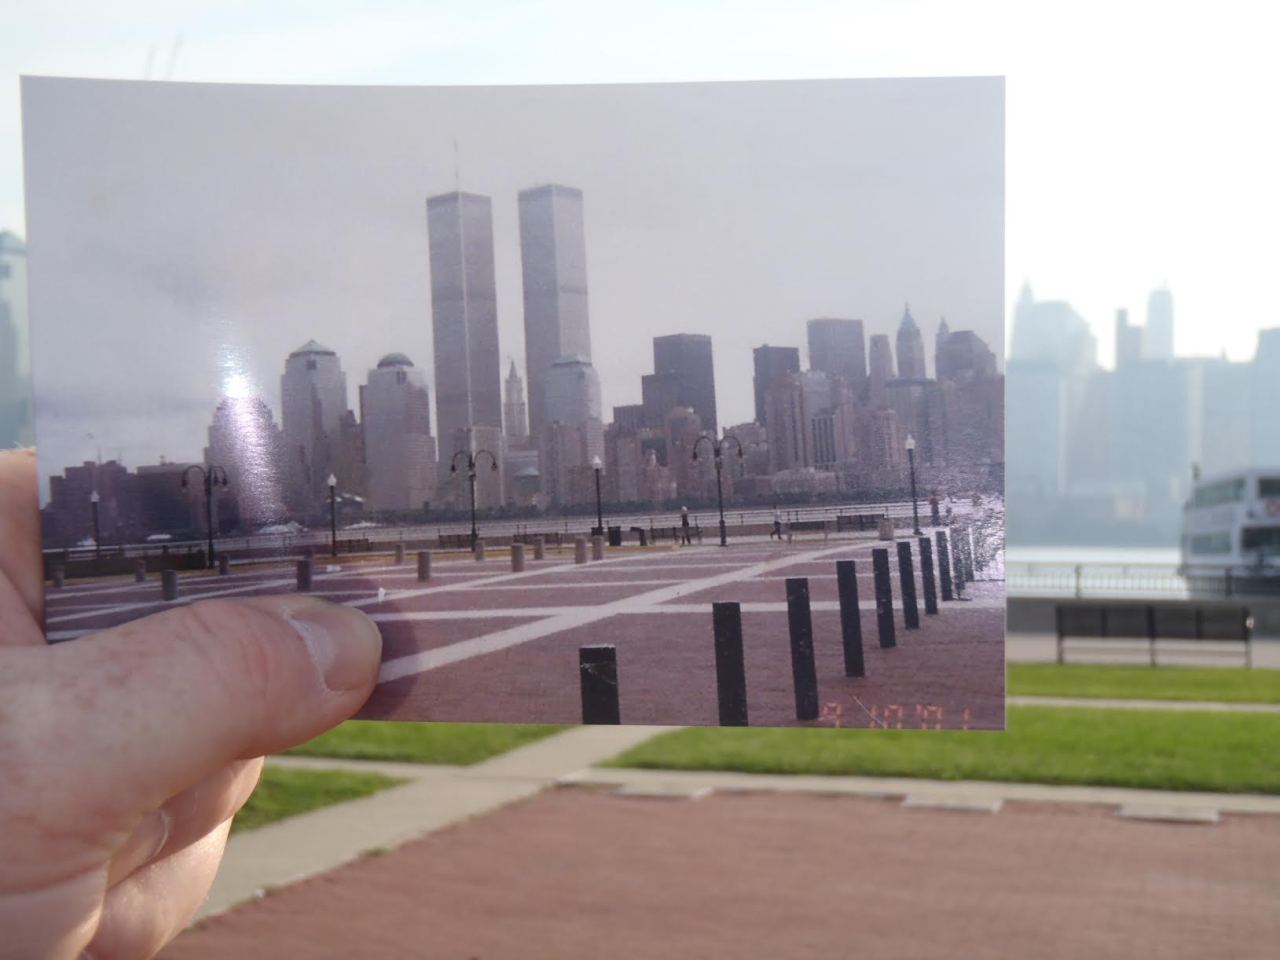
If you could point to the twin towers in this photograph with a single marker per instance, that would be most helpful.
(469, 408)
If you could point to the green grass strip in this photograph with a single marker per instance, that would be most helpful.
(1227, 684)
(459, 744)
(287, 792)
(1156, 749)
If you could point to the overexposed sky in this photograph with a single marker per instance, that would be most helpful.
(1142, 141)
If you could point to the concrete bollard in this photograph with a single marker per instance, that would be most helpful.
(517, 557)
(579, 549)
(169, 584)
(944, 565)
(926, 576)
(850, 618)
(58, 574)
(304, 575)
(479, 550)
(399, 555)
(804, 671)
(224, 565)
(539, 548)
(139, 571)
(884, 597)
(885, 528)
(424, 565)
(598, 675)
(597, 547)
(731, 671)
(907, 582)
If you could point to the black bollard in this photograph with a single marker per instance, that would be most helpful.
(966, 534)
(926, 576)
(304, 575)
(731, 671)
(907, 579)
(224, 565)
(850, 618)
(884, 597)
(424, 565)
(804, 670)
(169, 584)
(944, 565)
(598, 672)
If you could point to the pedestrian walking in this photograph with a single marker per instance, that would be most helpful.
(935, 509)
(777, 526)
(684, 526)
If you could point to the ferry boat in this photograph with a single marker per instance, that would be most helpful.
(1231, 526)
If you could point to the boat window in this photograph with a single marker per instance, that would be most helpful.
(1268, 487)
(1224, 491)
(1211, 543)
(1261, 538)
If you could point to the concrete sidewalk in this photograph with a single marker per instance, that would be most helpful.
(434, 797)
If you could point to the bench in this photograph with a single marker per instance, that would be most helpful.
(1143, 625)
(857, 521)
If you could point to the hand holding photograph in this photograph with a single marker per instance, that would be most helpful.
(583, 474)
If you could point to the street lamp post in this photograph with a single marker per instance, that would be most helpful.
(333, 516)
(717, 452)
(211, 476)
(97, 536)
(911, 459)
(471, 460)
(598, 467)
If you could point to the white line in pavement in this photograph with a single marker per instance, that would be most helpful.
(516, 613)
(818, 606)
(122, 607)
(574, 617)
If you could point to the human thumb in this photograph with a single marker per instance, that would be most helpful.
(142, 711)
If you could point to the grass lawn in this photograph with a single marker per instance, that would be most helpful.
(1228, 684)
(449, 743)
(284, 793)
(1158, 749)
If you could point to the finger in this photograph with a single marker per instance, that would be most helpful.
(150, 908)
(18, 627)
(141, 712)
(20, 529)
(186, 818)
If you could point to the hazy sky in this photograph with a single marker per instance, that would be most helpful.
(186, 237)
(1141, 140)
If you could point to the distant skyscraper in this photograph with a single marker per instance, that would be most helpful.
(687, 358)
(15, 407)
(515, 414)
(880, 360)
(574, 434)
(554, 266)
(939, 339)
(838, 348)
(399, 450)
(772, 365)
(910, 348)
(1128, 340)
(967, 357)
(1157, 341)
(1050, 331)
(464, 311)
(313, 393)
(245, 441)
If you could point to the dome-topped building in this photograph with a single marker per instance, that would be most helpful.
(313, 348)
(394, 360)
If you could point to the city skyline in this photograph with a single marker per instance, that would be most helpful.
(665, 246)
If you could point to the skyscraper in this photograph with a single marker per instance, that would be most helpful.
(1128, 340)
(687, 358)
(939, 339)
(574, 434)
(464, 311)
(515, 415)
(880, 359)
(245, 441)
(313, 392)
(838, 348)
(399, 450)
(554, 267)
(910, 348)
(772, 365)
(1157, 341)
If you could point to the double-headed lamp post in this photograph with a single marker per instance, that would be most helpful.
(333, 515)
(471, 460)
(97, 536)
(717, 451)
(911, 459)
(211, 476)
(598, 467)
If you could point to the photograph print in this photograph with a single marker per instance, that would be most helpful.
(651, 404)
